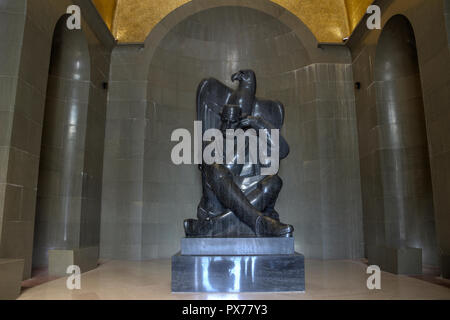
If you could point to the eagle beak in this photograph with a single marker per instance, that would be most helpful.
(236, 77)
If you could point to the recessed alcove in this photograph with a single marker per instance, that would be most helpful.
(61, 179)
(212, 43)
(150, 197)
(402, 189)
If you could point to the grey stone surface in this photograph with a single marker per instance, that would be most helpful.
(12, 22)
(407, 261)
(207, 44)
(401, 150)
(236, 246)
(124, 156)
(11, 272)
(27, 31)
(409, 211)
(253, 273)
(61, 182)
(59, 260)
(445, 266)
(152, 93)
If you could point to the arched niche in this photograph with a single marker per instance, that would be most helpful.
(266, 6)
(215, 42)
(61, 179)
(401, 167)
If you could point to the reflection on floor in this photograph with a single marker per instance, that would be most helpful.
(38, 277)
(340, 279)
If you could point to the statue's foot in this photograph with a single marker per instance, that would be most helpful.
(268, 227)
(191, 227)
(272, 214)
(198, 228)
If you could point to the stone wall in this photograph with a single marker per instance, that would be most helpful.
(126, 123)
(146, 197)
(428, 22)
(25, 64)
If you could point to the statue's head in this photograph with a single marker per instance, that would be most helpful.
(246, 77)
(231, 115)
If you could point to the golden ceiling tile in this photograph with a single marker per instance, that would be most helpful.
(106, 8)
(356, 10)
(135, 19)
(329, 20)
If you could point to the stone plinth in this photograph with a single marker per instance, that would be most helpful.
(229, 246)
(407, 261)
(267, 265)
(59, 260)
(11, 271)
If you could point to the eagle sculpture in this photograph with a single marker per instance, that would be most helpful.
(237, 200)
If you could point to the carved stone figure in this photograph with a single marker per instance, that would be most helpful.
(238, 201)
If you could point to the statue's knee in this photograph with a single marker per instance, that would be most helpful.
(217, 171)
(272, 185)
(277, 183)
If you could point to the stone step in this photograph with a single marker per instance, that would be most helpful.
(236, 246)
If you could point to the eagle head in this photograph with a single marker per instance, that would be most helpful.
(246, 78)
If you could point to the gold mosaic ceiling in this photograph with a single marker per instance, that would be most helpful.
(329, 20)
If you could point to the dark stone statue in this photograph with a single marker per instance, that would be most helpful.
(238, 201)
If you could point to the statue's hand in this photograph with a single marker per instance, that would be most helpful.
(251, 121)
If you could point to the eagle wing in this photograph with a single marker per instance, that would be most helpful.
(271, 111)
(212, 95)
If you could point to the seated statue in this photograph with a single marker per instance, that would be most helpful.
(237, 200)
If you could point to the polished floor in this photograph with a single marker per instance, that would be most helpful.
(340, 279)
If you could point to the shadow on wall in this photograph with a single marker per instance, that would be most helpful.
(61, 179)
(402, 195)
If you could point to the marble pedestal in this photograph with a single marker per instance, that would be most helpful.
(215, 265)
(11, 273)
(59, 260)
